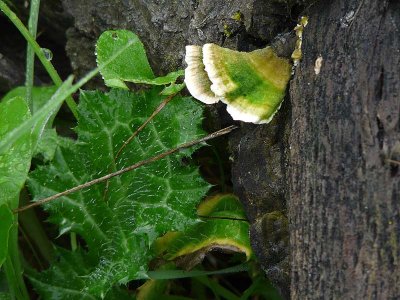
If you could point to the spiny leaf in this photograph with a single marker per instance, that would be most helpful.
(132, 65)
(120, 225)
(66, 279)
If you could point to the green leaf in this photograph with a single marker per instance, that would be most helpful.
(40, 94)
(224, 228)
(154, 289)
(173, 88)
(132, 65)
(6, 222)
(14, 164)
(120, 225)
(48, 144)
(66, 279)
(5, 296)
(38, 120)
(63, 280)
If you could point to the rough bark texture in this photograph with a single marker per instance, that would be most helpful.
(344, 193)
(258, 174)
(166, 27)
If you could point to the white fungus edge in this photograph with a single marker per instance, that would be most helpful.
(218, 87)
(247, 116)
(196, 78)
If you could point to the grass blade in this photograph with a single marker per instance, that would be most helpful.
(30, 54)
(47, 110)
(39, 52)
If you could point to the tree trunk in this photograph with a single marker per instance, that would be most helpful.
(344, 204)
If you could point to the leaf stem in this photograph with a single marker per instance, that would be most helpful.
(35, 234)
(30, 54)
(38, 50)
(13, 268)
(130, 168)
(217, 288)
(179, 274)
(54, 103)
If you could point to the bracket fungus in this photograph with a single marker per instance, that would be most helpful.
(251, 84)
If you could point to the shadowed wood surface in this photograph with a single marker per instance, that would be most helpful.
(344, 191)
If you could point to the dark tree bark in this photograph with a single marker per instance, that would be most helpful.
(344, 184)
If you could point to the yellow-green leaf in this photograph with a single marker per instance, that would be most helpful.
(224, 227)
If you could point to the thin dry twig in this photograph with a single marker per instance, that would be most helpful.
(127, 169)
(155, 112)
(396, 162)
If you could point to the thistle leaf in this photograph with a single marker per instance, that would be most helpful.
(66, 279)
(119, 225)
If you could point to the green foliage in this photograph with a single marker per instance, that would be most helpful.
(5, 296)
(38, 120)
(40, 95)
(224, 227)
(44, 140)
(120, 224)
(48, 144)
(132, 65)
(14, 164)
(117, 221)
(66, 279)
(6, 222)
